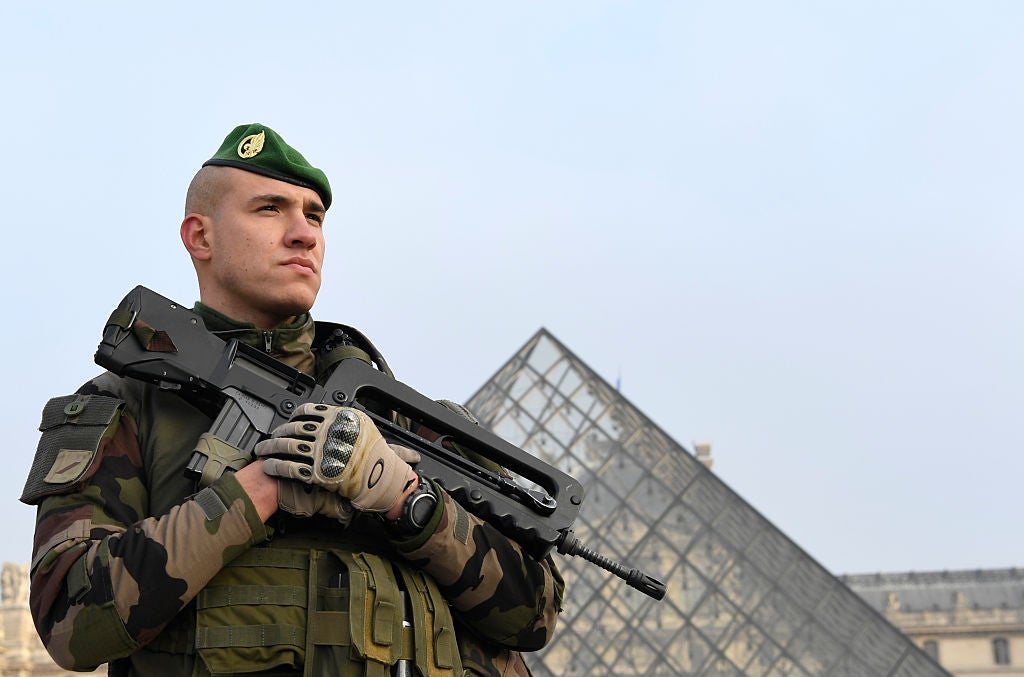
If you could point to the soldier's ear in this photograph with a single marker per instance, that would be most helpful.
(195, 235)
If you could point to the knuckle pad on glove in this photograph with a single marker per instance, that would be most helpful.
(338, 444)
(285, 447)
(312, 410)
(306, 430)
(277, 467)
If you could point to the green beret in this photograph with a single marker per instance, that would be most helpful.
(258, 148)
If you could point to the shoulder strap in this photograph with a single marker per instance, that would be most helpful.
(336, 342)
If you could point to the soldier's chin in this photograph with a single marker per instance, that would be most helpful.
(299, 309)
(300, 301)
(292, 308)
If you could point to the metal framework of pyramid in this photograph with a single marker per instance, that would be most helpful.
(742, 598)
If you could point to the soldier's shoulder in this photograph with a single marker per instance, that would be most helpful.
(111, 385)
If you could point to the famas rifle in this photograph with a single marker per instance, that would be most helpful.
(248, 394)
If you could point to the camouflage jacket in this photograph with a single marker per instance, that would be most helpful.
(122, 552)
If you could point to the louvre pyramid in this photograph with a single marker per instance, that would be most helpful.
(742, 598)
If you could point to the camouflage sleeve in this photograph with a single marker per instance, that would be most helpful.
(505, 595)
(106, 576)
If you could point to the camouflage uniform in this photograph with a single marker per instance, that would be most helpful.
(131, 567)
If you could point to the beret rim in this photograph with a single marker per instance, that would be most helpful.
(256, 169)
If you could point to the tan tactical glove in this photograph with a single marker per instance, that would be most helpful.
(304, 500)
(338, 449)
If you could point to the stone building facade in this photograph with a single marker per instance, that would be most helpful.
(972, 622)
(21, 652)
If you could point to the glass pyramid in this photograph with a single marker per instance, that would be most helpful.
(742, 599)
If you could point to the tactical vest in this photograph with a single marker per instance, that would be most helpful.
(312, 605)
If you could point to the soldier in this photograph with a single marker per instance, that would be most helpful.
(327, 555)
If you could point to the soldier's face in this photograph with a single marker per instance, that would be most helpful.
(266, 250)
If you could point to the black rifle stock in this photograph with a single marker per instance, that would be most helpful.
(249, 393)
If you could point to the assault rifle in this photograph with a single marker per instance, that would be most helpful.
(248, 394)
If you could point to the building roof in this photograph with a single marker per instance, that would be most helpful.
(942, 590)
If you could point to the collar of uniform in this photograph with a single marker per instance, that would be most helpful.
(289, 343)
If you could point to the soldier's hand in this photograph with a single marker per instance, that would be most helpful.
(338, 449)
(305, 500)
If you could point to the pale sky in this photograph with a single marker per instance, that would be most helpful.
(791, 228)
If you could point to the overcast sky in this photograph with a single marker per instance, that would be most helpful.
(790, 228)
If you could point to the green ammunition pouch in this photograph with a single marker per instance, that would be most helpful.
(321, 611)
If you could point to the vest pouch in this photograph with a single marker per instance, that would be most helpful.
(371, 627)
(435, 641)
(251, 617)
(370, 613)
(328, 640)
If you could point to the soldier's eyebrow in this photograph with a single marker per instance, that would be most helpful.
(272, 199)
(314, 206)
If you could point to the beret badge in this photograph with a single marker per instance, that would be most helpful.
(250, 146)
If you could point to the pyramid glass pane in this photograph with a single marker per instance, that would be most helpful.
(741, 599)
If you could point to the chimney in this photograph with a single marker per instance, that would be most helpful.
(703, 450)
